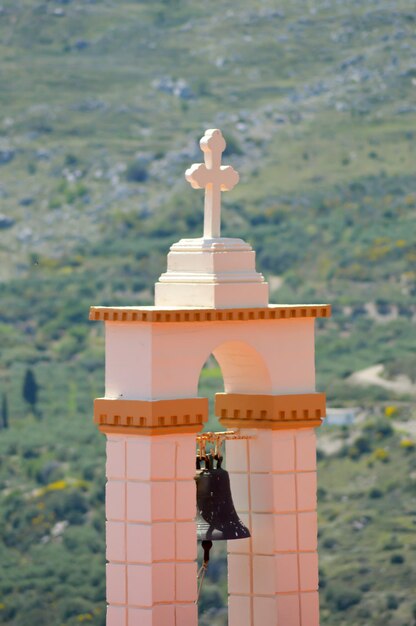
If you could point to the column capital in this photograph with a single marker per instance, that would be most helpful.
(236, 410)
(150, 417)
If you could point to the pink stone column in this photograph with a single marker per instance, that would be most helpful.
(273, 576)
(151, 534)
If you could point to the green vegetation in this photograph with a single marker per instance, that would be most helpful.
(30, 389)
(5, 412)
(102, 105)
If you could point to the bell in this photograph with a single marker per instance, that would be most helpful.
(216, 516)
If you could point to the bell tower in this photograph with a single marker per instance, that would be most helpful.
(211, 300)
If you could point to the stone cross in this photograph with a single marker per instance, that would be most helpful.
(214, 178)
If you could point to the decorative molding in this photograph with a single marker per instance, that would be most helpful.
(274, 412)
(154, 314)
(158, 417)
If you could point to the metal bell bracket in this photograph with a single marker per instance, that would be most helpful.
(216, 439)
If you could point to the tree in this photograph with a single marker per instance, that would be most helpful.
(5, 412)
(30, 389)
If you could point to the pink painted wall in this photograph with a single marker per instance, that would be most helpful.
(162, 361)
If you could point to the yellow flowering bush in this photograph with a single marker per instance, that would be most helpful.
(381, 454)
(390, 411)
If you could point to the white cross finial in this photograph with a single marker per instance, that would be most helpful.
(214, 177)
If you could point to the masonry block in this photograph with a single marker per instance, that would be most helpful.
(116, 457)
(116, 616)
(237, 455)
(140, 617)
(138, 458)
(288, 613)
(149, 584)
(115, 500)
(186, 614)
(283, 450)
(306, 450)
(150, 542)
(262, 533)
(238, 574)
(264, 575)
(185, 499)
(151, 458)
(306, 491)
(284, 493)
(116, 583)
(309, 608)
(265, 611)
(239, 611)
(186, 545)
(308, 566)
(285, 532)
(261, 452)
(186, 582)
(115, 541)
(261, 493)
(287, 578)
(148, 502)
(159, 615)
(185, 456)
(308, 531)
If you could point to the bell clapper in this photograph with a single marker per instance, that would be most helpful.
(206, 545)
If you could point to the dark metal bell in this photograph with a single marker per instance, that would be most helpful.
(216, 516)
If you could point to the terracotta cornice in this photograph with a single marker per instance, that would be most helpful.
(158, 417)
(270, 411)
(154, 314)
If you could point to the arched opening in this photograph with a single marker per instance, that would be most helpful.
(210, 383)
(243, 369)
(233, 367)
(212, 605)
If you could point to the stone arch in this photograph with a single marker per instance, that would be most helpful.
(243, 368)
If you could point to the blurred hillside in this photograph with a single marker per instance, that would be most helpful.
(102, 104)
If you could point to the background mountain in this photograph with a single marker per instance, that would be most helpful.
(102, 104)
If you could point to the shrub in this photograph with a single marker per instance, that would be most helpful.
(397, 559)
(71, 160)
(341, 598)
(392, 602)
(390, 411)
(353, 452)
(359, 447)
(392, 544)
(136, 172)
(363, 444)
(322, 492)
(233, 145)
(381, 454)
(383, 429)
(407, 444)
(375, 493)
(49, 472)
